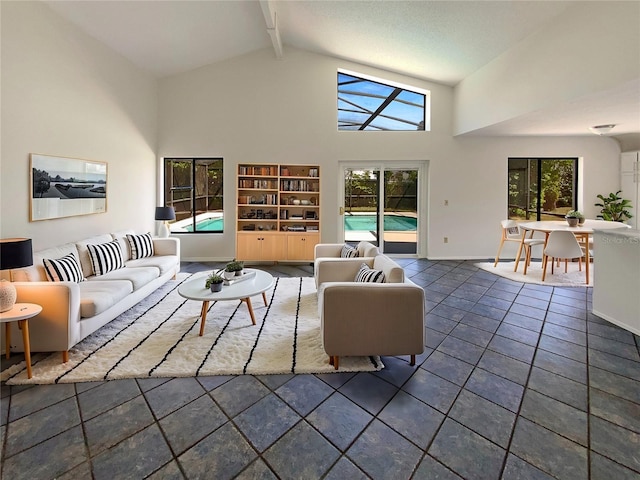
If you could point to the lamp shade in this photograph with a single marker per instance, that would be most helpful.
(15, 253)
(165, 213)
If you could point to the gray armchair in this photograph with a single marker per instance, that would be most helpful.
(361, 319)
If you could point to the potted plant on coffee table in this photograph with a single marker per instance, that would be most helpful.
(234, 268)
(214, 282)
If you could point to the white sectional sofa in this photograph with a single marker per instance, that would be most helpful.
(71, 311)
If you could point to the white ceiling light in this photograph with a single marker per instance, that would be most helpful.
(602, 129)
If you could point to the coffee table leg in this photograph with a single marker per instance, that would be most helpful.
(264, 297)
(24, 325)
(203, 316)
(250, 307)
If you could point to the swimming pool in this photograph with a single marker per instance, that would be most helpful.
(392, 223)
(207, 225)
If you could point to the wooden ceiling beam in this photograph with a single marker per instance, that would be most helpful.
(271, 19)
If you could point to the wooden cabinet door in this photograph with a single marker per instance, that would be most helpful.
(249, 246)
(273, 246)
(300, 246)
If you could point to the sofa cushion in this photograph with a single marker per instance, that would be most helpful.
(83, 251)
(36, 272)
(366, 274)
(121, 236)
(65, 269)
(164, 263)
(97, 296)
(348, 251)
(105, 257)
(138, 277)
(392, 271)
(367, 249)
(141, 246)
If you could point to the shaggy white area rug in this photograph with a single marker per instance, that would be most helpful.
(158, 337)
(573, 277)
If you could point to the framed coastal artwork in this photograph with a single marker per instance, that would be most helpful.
(65, 187)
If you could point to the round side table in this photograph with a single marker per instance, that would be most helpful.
(21, 313)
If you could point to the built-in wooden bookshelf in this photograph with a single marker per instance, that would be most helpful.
(278, 212)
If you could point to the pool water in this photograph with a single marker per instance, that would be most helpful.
(208, 225)
(392, 223)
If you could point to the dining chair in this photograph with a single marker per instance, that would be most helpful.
(562, 244)
(512, 233)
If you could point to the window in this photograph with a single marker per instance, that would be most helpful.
(542, 188)
(367, 104)
(193, 187)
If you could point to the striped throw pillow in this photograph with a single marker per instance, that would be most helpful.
(366, 274)
(141, 246)
(105, 257)
(348, 252)
(65, 269)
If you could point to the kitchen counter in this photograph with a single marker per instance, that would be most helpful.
(616, 277)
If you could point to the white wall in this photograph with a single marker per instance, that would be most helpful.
(589, 48)
(64, 93)
(255, 108)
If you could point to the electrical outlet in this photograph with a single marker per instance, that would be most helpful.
(446, 239)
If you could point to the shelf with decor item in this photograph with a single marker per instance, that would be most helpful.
(278, 200)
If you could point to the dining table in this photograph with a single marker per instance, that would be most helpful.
(581, 231)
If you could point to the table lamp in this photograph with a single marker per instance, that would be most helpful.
(14, 253)
(164, 214)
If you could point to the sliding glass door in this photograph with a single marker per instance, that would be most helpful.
(380, 205)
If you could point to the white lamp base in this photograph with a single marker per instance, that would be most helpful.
(7, 295)
(163, 230)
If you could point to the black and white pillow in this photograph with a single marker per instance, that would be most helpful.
(65, 269)
(141, 245)
(105, 257)
(348, 252)
(366, 274)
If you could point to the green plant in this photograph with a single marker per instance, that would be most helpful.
(213, 278)
(574, 214)
(614, 207)
(234, 266)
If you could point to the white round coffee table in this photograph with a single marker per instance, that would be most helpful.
(259, 282)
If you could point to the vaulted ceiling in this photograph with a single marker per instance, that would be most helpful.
(439, 41)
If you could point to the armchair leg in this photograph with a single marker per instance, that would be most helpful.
(413, 360)
(333, 360)
(65, 356)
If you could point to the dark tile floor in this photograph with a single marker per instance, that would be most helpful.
(517, 382)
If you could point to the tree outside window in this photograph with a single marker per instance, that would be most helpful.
(541, 189)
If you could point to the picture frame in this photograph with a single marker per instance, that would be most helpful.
(65, 187)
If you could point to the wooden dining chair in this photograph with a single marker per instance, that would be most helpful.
(561, 245)
(512, 233)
